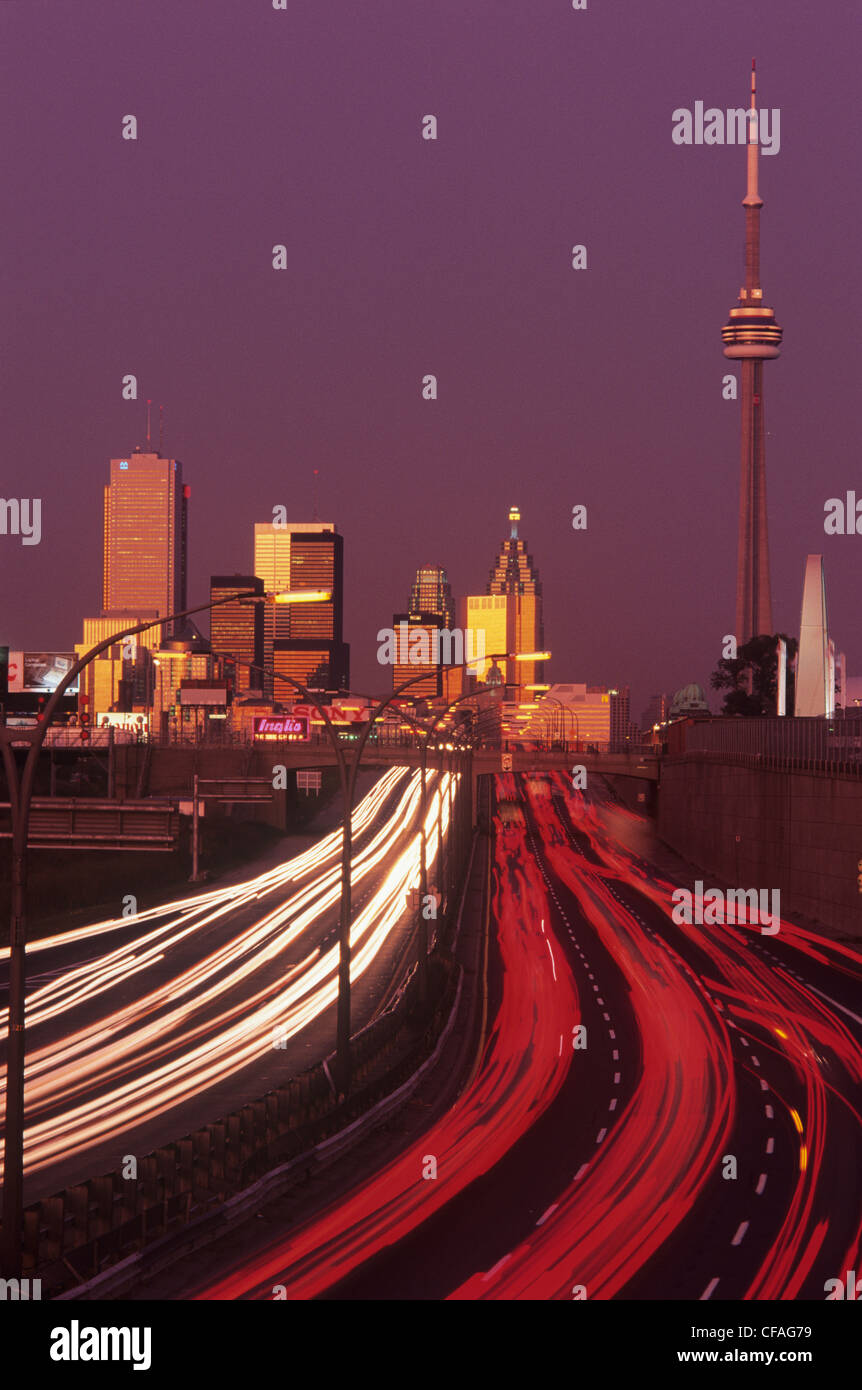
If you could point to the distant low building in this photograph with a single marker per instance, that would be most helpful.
(688, 700)
(582, 713)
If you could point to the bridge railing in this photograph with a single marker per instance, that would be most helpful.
(814, 745)
(824, 767)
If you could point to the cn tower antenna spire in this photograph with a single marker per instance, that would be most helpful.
(752, 199)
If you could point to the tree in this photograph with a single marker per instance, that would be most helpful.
(751, 678)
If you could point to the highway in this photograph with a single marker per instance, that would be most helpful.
(702, 1139)
(144, 1026)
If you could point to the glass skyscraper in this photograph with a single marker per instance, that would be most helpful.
(432, 593)
(236, 629)
(146, 532)
(303, 640)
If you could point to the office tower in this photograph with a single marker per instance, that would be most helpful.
(620, 721)
(515, 579)
(272, 551)
(751, 337)
(317, 562)
(417, 651)
(432, 593)
(185, 657)
(236, 630)
(303, 640)
(146, 535)
(486, 624)
(583, 713)
(320, 666)
(815, 672)
(423, 643)
(122, 674)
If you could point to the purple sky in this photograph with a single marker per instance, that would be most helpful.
(407, 256)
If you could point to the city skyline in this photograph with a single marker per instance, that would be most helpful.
(374, 453)
(520, 342)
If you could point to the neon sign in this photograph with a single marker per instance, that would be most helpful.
(281, 728)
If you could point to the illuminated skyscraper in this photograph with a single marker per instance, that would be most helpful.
(122, 673)
(432, 593)
(751, 336)
(486, 622)
(303, 640)
(423, 643)
(146, 526)
(515, 576)
(319, 665)
(236, 629)
(272, 547)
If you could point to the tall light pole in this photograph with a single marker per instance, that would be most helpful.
(347, 774)
(564, 710)
(428, 730)
(376, 712)
(20, 800)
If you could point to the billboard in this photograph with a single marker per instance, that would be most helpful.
(201, 694)
(137, 722)
(40, 672)
(283, 728)
(340, 712)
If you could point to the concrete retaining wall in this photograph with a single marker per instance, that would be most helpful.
(796, 831)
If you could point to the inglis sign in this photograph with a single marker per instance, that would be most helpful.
(281, 728)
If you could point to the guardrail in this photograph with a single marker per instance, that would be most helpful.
(69, 736)
(770, 762)
(93, 823)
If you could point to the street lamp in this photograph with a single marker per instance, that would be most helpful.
(564, 710)
(428, 729)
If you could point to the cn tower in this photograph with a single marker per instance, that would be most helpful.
(752, 336)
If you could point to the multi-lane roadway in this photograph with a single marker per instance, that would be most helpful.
(656, 1110)
(143, 1026)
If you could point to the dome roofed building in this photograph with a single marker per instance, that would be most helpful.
(688, 700)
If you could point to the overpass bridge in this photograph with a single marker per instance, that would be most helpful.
(153, 769)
